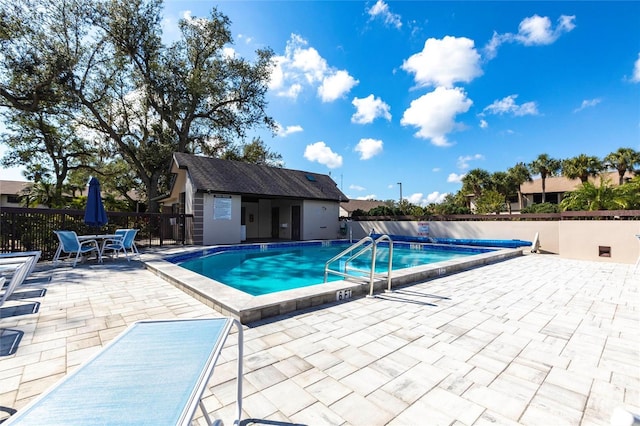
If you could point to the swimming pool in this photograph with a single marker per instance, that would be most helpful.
(271, 268)
(248, 309)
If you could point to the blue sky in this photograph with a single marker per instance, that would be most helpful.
(377, 93)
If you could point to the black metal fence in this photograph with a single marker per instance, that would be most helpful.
(23, 229)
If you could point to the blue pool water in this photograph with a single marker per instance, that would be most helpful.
(257, 271)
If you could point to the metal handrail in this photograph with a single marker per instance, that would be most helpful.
(373, 247)
(341, 254)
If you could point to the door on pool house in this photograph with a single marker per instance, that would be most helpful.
(295, 223)
(275, 222)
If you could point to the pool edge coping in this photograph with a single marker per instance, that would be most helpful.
(246, 308)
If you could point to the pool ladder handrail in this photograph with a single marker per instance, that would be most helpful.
(371, 272)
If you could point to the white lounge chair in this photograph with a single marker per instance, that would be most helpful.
(154, 373)
(70, 244)
(19, 274)
(9, 257)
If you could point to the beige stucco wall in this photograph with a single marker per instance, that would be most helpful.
(578, 239)
(581, 239)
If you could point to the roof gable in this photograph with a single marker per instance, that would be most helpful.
(236, 177)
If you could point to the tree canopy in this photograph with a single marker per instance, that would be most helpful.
(101, 68)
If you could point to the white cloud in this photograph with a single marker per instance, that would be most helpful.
(367, 197)
(368, 148)
(434, 113)
(455, 178)
(381, 10)
(357, 187)
(247, 39)
(229, 52)
(588, 103)
(463, 161)
(335, 86)
(436, 197)
(368, 109)
(420, 200)
(436, 169)
(286, 131)
(484, 124)
(508, 105)
(532, 31)
(636, 70)
(302, 66)
(444, 62)
(415, 198)
(321, 153)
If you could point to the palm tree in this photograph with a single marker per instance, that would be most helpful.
(623, 160)
(42, 192)
(504, 184)
(545, 166)
(631, 192)
(581, 167)
(520, 174)
(592, 197)
(475, 182)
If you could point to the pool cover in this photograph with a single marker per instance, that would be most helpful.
(456, 241)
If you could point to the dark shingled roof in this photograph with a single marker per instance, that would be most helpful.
(236, 177)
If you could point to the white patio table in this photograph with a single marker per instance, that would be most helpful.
(100, 238)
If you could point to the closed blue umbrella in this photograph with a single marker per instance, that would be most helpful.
(94, 214)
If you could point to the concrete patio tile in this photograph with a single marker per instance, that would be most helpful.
(571, 380)
(422, 411)
(355, 409)
(455, 406)
(292, 366)
(415, 382)
(355, 356)
(394, 364)
(526, 372)
(309, 377)
(515, 387)
(281, 395)
(542, 408)
(387, 402)
(455, 384)
(257, 406)
(491, 418)
(265, 377)
(569, 399)
(323, 360)
(365, 380)
(317, 414)
(480, 342)
(502, 403)
(328, 390)
(42, 369)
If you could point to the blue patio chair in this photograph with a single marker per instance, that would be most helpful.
(124, 241)
(70, 244)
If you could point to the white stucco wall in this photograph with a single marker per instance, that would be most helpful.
(221, 231)
(320, 220)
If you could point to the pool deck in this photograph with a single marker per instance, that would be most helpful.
(534, 340)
